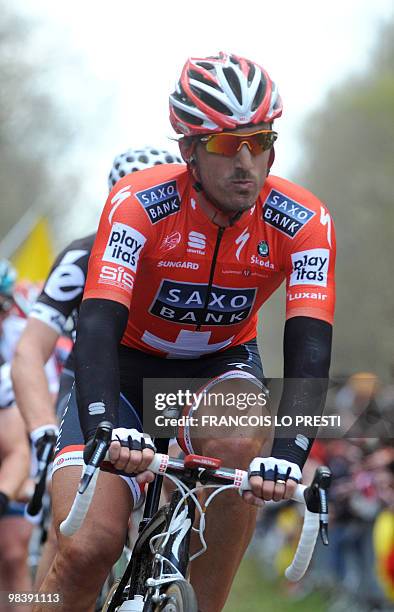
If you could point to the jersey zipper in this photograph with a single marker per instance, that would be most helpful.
(211, 275)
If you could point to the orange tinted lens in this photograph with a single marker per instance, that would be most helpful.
(229, 144)
(223, 144)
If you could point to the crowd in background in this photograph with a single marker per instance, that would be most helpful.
(357, 569)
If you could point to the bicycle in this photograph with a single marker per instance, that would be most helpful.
(156, 576)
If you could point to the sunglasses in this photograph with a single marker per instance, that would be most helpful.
(229, 143)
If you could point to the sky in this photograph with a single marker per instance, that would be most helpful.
(125, 57)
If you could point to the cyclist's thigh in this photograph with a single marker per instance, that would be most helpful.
(234, 401)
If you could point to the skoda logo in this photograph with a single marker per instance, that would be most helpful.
(263, 248)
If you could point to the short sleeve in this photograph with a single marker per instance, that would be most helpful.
(310, 267)
(121, 238)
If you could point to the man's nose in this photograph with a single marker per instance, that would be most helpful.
(244, 157)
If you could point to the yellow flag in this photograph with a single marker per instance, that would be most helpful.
(34, 257)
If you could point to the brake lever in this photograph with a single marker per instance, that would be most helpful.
(316, 499)
(49, 445)
(325, 478)
(100, 444)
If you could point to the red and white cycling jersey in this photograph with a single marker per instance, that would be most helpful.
(192, 288)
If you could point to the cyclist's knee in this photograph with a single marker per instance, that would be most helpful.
(77, 556)
(13, 557)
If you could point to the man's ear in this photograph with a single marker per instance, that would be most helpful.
(186, 147)
(271, 160)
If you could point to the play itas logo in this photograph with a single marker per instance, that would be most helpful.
(124, 246)
(285, 214)
(159, 201)
(310, 267)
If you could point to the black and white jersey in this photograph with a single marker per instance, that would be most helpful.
(61, 296)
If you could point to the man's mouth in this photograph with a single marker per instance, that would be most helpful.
(243, 183)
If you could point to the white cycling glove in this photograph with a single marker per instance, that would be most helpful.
(133, 439)
(40, 432)
(278, 470)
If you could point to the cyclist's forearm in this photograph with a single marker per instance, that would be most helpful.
(33, 398)
(307, 353)
(29, 379)
(100, 329)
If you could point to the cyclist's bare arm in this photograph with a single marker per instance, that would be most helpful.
(32, 393)
(14, 452)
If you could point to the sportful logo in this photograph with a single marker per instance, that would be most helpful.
(160, 201)
(285, 214)
(196, 243)
(310, 267)
(124, 246)
(96, 408)
(186, 303)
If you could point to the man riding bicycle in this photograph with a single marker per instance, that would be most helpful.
(182, 262)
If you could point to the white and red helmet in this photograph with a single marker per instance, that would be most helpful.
(222, 93)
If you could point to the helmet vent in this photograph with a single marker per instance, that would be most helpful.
(182, 97)
(252, 71)
(233, 82)
(206, 65)
(258, 97)
(197, 76)
(188, 117)
(211, 101)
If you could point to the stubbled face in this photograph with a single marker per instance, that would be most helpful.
(232, 183)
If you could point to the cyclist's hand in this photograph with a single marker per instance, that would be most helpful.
(271, 479)
(132, 451)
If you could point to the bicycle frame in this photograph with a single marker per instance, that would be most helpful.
(142, 574)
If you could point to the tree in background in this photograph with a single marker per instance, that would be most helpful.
(33, 128)
(50, 106)
(348, 163)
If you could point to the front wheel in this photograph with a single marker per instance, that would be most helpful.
(179, 597)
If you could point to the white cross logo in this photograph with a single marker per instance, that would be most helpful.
(188, 345)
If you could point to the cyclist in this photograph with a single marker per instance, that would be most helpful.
(182, 262)
(14, 457)
(55, 314)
